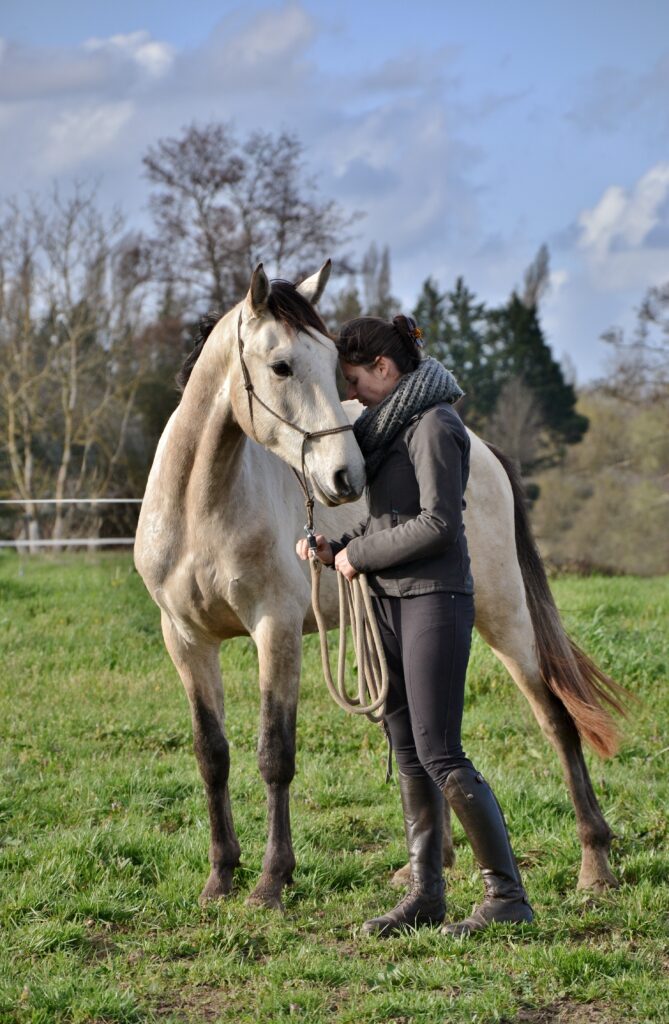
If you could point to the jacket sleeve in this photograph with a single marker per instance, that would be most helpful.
(346, 538)
(436, 454)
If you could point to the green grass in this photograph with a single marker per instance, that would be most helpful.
(103, 832)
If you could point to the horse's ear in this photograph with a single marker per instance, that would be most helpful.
(258, 293)
(313, 287)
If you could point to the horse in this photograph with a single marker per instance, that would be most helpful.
(215, 546)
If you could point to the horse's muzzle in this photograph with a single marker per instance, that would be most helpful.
(340, 491)
(344, 489)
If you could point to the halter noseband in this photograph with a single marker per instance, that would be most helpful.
(306, 435)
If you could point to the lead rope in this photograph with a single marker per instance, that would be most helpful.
(355, 604)
(355, 609)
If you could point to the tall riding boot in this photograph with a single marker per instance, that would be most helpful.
(422, 804)
(481, 817)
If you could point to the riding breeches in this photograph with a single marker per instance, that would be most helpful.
(426, 639)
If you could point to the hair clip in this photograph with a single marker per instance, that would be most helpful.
(418, 337)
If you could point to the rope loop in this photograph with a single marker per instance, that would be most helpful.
(355, 609)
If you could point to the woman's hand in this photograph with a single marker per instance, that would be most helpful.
(343, 566)
(324, 551)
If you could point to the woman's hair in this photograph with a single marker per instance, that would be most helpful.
(364, 339)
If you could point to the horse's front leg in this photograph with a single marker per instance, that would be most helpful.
(279, 655)
(199, 669)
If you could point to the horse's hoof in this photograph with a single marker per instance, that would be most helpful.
(598, 884)
(217, 888)
(401, 878)
(269, 900)
(596, 875)
(268, 891)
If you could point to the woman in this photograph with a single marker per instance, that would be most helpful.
(414, 550)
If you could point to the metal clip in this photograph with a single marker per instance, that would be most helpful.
(312, 542)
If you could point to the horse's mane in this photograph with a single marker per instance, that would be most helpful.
(285, 304)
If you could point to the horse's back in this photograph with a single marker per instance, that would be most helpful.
(501, 605)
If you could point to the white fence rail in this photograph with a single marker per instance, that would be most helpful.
(86, 542)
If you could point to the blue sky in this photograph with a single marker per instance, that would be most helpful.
(468, 134)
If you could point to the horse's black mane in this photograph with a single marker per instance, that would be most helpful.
(285, 304)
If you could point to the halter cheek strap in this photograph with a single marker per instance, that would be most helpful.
(306, 435)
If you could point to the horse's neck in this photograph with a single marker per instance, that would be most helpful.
(204, 443)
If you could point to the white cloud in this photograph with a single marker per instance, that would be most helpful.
(556, 282)
(274, 34)
(624, 236)
(78, 135)
(153, 57)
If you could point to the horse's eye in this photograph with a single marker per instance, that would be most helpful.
(282, 369)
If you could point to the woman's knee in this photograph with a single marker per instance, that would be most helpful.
(439, 768)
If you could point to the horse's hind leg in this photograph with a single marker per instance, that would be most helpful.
(514, 646)
(279, 644)
(198, 666)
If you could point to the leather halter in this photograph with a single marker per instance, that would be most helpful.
(307, 435)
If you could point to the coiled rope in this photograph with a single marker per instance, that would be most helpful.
(355, 609)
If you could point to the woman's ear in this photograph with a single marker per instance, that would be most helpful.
(384, 365)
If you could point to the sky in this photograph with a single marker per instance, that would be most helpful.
(467, 134)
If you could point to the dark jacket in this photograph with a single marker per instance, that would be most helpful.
(413, 541)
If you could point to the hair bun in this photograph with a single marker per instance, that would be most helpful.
(408, 327)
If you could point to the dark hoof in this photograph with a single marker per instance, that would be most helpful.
(219, 885)
(267, 893)
(596, 874)
(269, 900)
(599, 884)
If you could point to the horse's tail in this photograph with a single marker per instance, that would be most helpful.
(586, 692)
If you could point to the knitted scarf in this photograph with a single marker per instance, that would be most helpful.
(425, 386)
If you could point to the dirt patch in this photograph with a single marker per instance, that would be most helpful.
(202, 1004)
(101, 946)
(564, 1011)
(591, 931)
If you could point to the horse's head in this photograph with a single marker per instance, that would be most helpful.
(283, 377)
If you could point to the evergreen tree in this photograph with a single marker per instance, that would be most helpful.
(496, 353)
(344, 306)
(524, 353)
(473, 354)
(456, 333)
(429, 313)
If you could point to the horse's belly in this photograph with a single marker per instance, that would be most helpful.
(201, 604)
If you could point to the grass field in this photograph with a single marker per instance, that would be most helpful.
(103, 832)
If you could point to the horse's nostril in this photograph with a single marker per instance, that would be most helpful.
(342, 482)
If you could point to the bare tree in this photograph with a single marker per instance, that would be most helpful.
(74, 287)
(516, 425)
(220, 206)
(375, 271)
(613, 488)
(537, 279)
(639, 368)
(24, 366)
